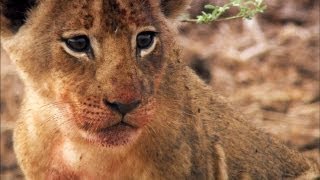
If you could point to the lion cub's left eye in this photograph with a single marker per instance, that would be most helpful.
(145, 39)
(78, 43)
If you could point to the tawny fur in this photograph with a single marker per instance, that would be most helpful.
(186, 131)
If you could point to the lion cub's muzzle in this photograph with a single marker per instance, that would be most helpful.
(109, 123)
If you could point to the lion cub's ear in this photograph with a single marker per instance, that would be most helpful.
(14, 14)
(173, 8)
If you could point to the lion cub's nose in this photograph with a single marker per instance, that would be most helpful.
(122, 108)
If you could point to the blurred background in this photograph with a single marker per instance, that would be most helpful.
(268, 67)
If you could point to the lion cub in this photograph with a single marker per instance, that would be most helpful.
(108, 97)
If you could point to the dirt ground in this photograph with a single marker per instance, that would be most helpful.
(268, 67)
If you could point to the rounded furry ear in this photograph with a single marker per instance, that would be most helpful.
(14, 14)
(173, 8)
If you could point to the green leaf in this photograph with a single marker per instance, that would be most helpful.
(209, 6)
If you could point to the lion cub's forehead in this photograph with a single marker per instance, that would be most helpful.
(109, 15)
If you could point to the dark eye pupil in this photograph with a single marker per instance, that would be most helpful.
(145, 40)
(78, 44)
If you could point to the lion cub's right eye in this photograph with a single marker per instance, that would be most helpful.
(78, 43)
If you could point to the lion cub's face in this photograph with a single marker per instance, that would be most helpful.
(100, 62)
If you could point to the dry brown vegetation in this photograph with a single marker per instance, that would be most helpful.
(268, 67)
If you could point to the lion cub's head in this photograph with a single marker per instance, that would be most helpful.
(99, 62)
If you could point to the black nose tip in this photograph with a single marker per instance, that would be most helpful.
(122, 108)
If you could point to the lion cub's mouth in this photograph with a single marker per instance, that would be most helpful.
(116, 135)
